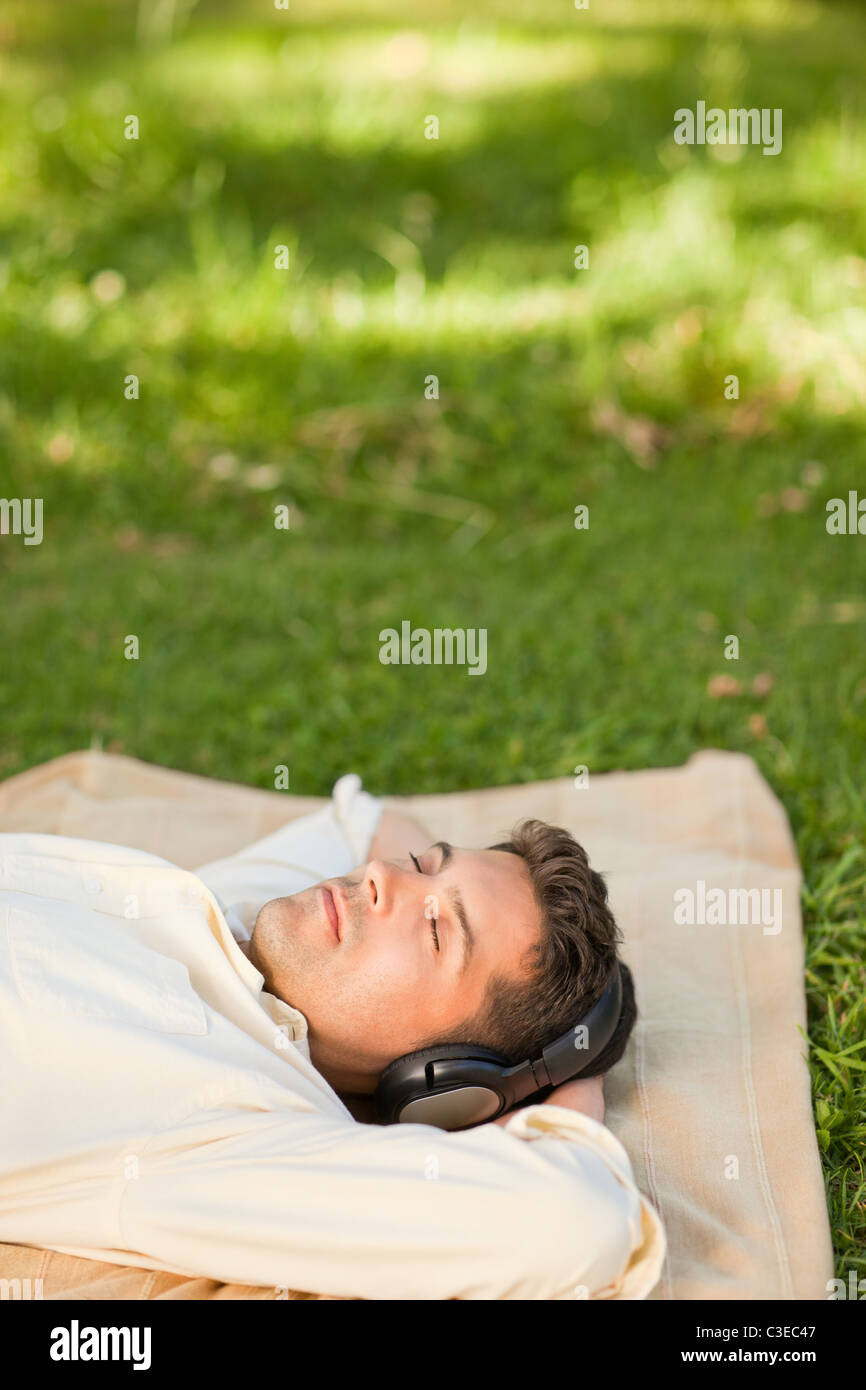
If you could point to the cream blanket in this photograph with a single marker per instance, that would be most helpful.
(712, 1099)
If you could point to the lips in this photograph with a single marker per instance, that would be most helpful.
(332, 912)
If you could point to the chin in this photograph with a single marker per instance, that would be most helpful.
(265, 935)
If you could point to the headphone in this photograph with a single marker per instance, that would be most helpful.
(457, 1085)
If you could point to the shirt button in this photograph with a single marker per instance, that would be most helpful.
(93, 885)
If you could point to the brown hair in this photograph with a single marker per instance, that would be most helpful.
(569, 965)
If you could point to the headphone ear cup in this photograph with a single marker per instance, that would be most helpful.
(404, 1078)
(393, 1067)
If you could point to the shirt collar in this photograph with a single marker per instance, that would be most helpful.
(280, 1013)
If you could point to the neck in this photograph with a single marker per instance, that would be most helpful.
(341, 1079)
(360, 1107)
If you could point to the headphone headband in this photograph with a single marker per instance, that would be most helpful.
(457, 1085)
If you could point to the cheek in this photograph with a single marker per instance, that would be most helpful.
(375, 1002)
(388, 969)
(386, 990)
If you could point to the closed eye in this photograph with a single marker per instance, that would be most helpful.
(433, 920)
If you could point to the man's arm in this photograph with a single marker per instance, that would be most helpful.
(397, 835)
(583, 1097)
(305, 1201)
(325, 843)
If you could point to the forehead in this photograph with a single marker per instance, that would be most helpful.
(499, 901)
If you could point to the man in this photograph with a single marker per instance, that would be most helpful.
(182, 1052)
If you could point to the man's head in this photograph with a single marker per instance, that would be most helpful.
(505, 947)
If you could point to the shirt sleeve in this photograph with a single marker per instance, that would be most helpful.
(324, 844)
(543, 1208)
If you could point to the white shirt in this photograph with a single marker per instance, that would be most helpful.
(159, 1108)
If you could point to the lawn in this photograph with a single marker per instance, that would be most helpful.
(308, 387)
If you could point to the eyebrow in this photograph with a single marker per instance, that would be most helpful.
(467, 935)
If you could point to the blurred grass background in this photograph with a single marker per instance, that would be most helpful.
(410, 258)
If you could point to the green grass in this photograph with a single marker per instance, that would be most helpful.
(453, 257)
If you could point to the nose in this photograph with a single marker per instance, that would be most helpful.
(387, 886)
